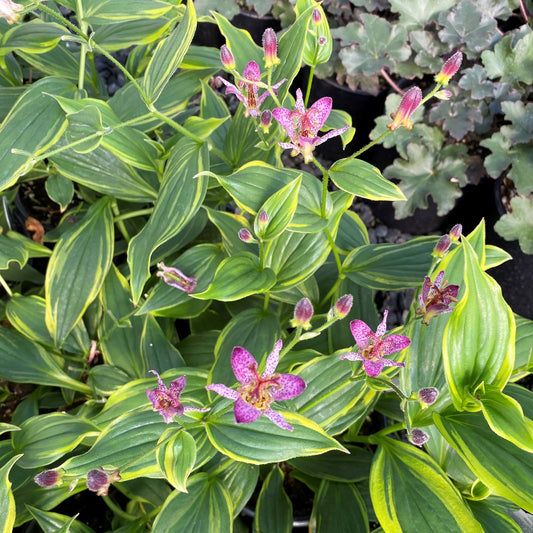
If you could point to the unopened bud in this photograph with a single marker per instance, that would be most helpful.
(443, 95)
(98, 480)
(442, 246)
(303, 312)
(410, 101)
(317, 16)
(263, 218)
(266, 120)
(322, 41)
(176, 278)
(245, 235)
(455, 232)
(418, 437)
(343, 306)
(428, 395)
(270, 46)
(449, 69)
(227, 57)
(48, 478)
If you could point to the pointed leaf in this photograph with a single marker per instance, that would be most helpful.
(273, 511)
(7, 502)
(176, 458)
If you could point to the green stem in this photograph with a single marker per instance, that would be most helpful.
(390, 384)
(265, 304)
(309, 83)
(63, 20)
(119, 221)
(117, 510)
(371, 143)
(133, 214)
(334, 250)
(292, 342)
(389, 429)
(325, 179)
(332, 291)
(5, 285)
(83, 51)
(178, 127)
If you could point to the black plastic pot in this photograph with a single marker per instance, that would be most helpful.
(255, 24)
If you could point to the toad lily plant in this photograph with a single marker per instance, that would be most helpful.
(179, 239)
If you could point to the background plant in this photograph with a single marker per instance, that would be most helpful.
(162, 172)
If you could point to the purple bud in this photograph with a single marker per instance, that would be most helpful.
(343, 305)
(449, 69)
(270, 46)
(410, 101)
(317, 16)
(98, 480)
(322, 41)
(444, 94)
(418, 437)
(442, 246)
(303, 312)
(263, 218)
(48, 478)
(266, 120)
(227, 57)
(455, 232)
(176, 278)
(428, 395)
(245, 235)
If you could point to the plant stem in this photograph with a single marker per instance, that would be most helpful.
(133, 214)
(5, 285)
(390, 81)
(389, 429)
(390, 384)
(178, 127)
(117, 510)
(370, 144)
(309, 83)
(292, 342)
(83, 51)
(332, 291)
(334, 250)
(119, 221)
(265, 304)
(325, 179)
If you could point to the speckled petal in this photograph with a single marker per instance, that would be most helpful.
(299, 105)
(291, 386)
(244, 412)
(289, 145)
(221, 389)
(352, 356)
(159, 380)
(329, 135)
(189, 408)
(373, 368)
(285, 119)
(319, 112)
(231, 89)
(383, 326)
(361, 333)
(252, 72)
(425, 289)
(450, 292)
(388, 362)
(177, 386)
(273, 359)
(243, 364)
(276, 86)
(438, 279)
(278, 419)
(395, 343)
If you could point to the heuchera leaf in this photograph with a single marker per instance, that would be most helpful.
(479, 340)
(416, 14)
(518, 224)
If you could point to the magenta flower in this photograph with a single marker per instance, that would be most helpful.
(449, 69)
(176, 278)
(436, 298)
(251, 99)
(270, 47)
(372, 346)
(48, 478)
(256, 393)
(410, 101)
(302, 126)
(227, 57)
(167, 401)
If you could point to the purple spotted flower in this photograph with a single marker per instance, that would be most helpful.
(176, 278)
(302, 125)
(250, 99)
(372, 346)
(256, 393)
(436, 298)
(167, 401)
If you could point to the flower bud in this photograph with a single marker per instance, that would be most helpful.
(428, 395)
(8, 9)
(322, 41)
(449, 69)
(455, 232)
(418, 437)
(317, 16)
(410, 101)
(48, 478)
(443, 95)
(227, 57)
(245, 235)
(263, 218)
(176, 278)
(266, 120)
(442, 246)
(270, 46)
(303, 312)
(343, 306)
(98, 480)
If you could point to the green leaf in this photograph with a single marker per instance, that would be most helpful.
(479, 340)
(205, 509)
(508, 63)
(176, 458)
(315, 53)
(45, 438)
(5, 428)
(239, 441)
(32, 112)
(156, 350)
(505, 417)
(518, 224)
(55, 522)
(506, 469)
(82, 125)
(401, 475)
(229, 224)
(240, 480)
(273, 511)
(457, 117)
(364, 180)
(180, 197)
(428, 172)
(339, 507)
(110, 11)
(23, 361)
(12, 251)
(7, 502)
(492, 518)
(414, 14)
(236, 277)
(280, 209)
(169, 54)
(390, 266)
(524, 344)
(60, 190)
(32, 37)
(520, 115)
(77, 269)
